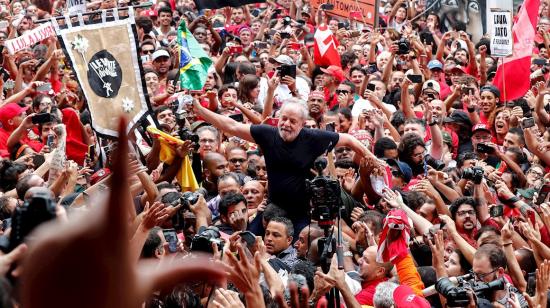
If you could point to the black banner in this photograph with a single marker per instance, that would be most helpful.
(218, 4)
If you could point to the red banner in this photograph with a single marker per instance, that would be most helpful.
(343, 8)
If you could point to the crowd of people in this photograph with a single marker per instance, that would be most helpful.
(399, 177)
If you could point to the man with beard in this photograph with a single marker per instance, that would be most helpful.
(290, 151)
(161, 64)
(463, 212)
(316, 106)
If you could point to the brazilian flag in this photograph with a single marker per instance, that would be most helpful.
(194, 62)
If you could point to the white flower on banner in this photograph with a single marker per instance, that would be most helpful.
(127, 105)
(81, 44)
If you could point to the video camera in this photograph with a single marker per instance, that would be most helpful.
(35, 211)
(457, 295)
(475, 174)
(204, 239)
(434, 163)
(185, 199)
(324, 194)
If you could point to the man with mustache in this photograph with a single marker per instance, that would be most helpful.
(290, 151)
(463, 211)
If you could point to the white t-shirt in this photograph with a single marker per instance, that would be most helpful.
(283, 92)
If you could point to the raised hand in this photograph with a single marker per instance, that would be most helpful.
(100, 240)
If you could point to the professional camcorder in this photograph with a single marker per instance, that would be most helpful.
(457, 295)
(324, 194)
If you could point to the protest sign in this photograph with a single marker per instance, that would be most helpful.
(30, 38)
(104, 57)
(76, 6)
(501, 33)
(345, 8)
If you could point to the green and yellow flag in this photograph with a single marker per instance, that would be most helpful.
(194, 62)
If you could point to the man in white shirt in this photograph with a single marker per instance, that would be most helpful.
(284, 91)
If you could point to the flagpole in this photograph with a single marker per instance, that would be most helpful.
(503, 80)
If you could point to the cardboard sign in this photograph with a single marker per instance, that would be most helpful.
(76, 6)
(30, 38)
(501, 32)
(342, 9)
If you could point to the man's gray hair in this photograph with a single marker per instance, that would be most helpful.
(383, 296)
(300, 104)
(209, 128)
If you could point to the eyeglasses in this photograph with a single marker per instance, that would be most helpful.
(421, 154)
(536, 173)
(207, 141)
(464, 213)
(481, 276)
(147, 51)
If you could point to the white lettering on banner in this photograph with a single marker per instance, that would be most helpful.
(104, 67)
(30, 38)
(76, 6)
(501, 33)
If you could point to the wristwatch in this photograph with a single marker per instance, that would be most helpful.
(432, 123)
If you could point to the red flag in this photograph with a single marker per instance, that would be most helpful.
(324, 48)
(388, 251)
(516, 69)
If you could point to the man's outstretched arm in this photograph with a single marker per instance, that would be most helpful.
(224, 123)
(354, 144)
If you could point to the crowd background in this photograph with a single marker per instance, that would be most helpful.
(438, 176)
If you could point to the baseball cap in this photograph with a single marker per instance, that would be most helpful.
(10, 111)
(480, 126)
(458, 68)
(149, 13)
(459, 117)
(334, 71)
(491, 89)
(403, 168)
(316, 94)
(160, 53)
(404, 297)
(282, 59)
(431, 84)
(99, 175)
(435, 64)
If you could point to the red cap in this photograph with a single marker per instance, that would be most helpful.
(334, 71)
(99, 175)
(404, 297)
(458, 68)
(10, 111)
(149, 13)
(481, 126)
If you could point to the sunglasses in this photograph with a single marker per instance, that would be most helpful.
(342, 92)
(147, 51)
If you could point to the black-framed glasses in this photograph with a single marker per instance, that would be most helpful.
(342, 92)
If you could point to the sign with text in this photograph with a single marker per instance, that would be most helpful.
(76, 6)
(344, 8)
(501, 32)
(105, 59)
(30, 38)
